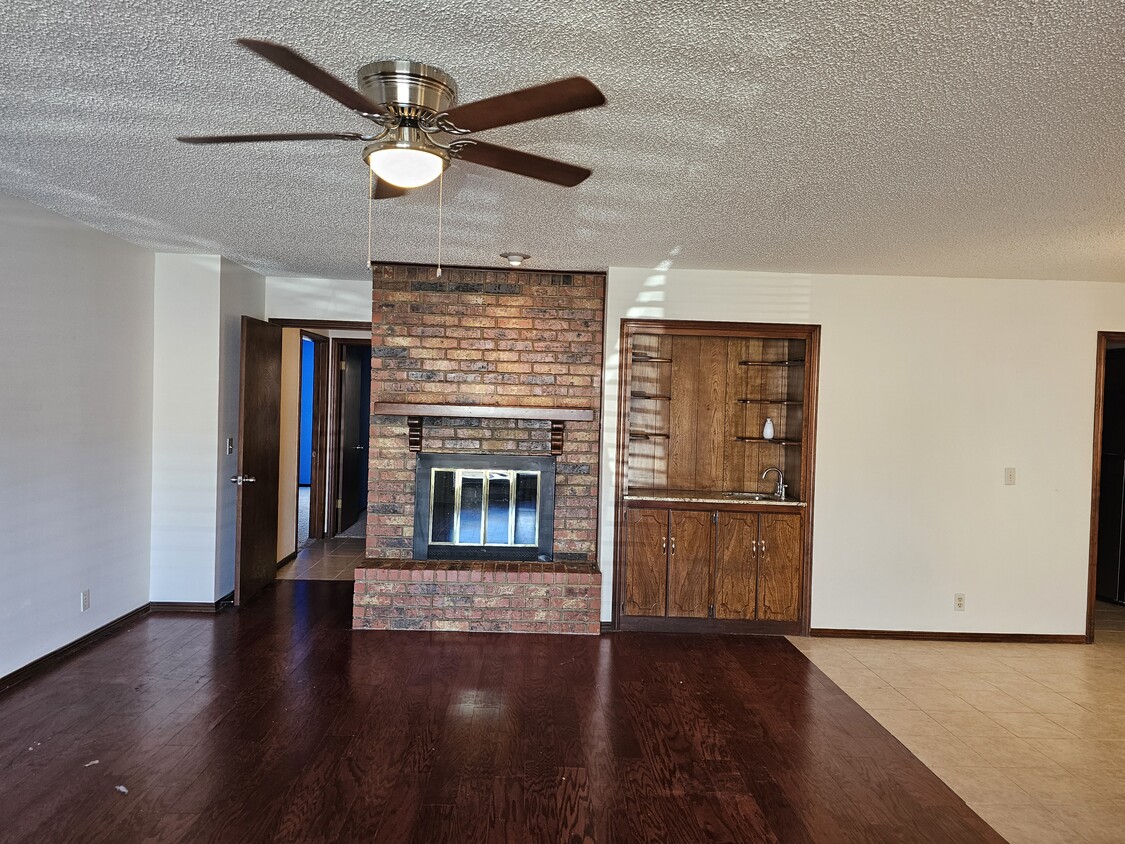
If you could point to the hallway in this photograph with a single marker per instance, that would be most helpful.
(325, 559)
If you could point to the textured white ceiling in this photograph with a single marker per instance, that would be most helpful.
(956, 137)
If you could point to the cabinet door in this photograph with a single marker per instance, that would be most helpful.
(646, 562)
(689, 564)
(736, 565)
(779, 568)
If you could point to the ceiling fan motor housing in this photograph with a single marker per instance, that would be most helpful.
(408, 88)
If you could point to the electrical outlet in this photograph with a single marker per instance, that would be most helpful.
(959, 602)
(85, 600)
(1010, 477)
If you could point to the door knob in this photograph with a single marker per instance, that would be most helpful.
(358, 448)
(242, 479)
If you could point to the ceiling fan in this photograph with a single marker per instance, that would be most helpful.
(414, 106)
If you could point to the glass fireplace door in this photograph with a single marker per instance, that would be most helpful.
(490, 507)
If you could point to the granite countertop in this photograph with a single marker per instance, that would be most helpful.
(695, 496)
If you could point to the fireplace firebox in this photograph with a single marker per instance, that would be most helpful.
(484, 506)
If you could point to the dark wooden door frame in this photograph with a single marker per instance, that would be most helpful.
(318, 487)
(1104, 339)
(337, 398)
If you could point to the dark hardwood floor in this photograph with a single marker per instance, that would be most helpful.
(277, 723)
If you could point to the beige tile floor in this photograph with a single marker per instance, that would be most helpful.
(327, 559)
(1031, 736)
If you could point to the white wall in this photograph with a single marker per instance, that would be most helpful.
(198, 305)
(318, 298)
(185, 428)
(76, 333)
(929, 387)
(241, 292)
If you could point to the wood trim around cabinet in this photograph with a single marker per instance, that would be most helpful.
(935, 636)
(808, 488)
(706, 328)
(643, 624)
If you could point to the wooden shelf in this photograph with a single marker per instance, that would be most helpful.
(771, 363)
(774, 441)
(415, 413)
(649, 396)
(769, 401)
(646, 435)
(480, 411)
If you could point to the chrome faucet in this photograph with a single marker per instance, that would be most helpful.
(780, 482)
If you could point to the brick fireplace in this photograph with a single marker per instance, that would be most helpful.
(481, 362)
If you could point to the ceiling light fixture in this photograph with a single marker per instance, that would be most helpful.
(514, 258)
(405, 167)
(407, 159)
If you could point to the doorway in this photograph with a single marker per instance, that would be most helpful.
(353, 434)
(318, 399)
(312, 424)
(1107, 542)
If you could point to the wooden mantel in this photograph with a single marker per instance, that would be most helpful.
(557, 416)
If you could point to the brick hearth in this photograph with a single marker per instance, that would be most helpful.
(488, 338)
(477, 596)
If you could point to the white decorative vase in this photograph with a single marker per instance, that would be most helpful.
(767, 429)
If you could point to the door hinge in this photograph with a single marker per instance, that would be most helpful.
(715, 518)
(711, 611)
(339, 503)
(343, 365)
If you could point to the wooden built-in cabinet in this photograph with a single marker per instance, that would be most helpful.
(693, 550)
(712, 564)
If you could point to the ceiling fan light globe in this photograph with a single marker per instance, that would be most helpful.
(405, 168)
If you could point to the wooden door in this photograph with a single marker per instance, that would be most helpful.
(646, 562)
(318, 492)
(736, 565)
(690, 552)
(355, 432)
(779, 567)
(259, 452)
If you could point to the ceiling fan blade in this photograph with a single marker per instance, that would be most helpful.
(560, 97)
(524, 163)
(385, 190)
(306, 71)
(293, 136)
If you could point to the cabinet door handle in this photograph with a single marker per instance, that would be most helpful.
(673, 546)
(664, 545)
(762, 545)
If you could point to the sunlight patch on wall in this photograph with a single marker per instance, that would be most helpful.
(650, 300)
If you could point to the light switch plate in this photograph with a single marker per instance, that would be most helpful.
(230, 445)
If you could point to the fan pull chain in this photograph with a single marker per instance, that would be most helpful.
(370, 209)
(441, 197)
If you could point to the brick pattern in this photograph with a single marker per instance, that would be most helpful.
(478, 597)
(515, 338)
